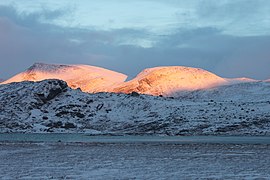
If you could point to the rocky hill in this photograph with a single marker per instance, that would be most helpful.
(51, 106)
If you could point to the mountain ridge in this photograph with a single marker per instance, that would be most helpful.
(164, 80)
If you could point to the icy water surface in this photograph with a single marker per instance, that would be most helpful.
(38, 137)
(43, 156)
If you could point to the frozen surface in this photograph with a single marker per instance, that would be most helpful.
(133, 161)
(89, 138)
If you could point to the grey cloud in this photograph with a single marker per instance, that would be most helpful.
(33, 19)
(238, 17)
(225, 55)
(183, 37)
(25, 40)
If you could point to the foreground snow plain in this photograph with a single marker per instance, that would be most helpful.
(133, 161)
(51, 106)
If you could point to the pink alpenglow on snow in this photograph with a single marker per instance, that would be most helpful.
(170, 80)
(87, 78)
(166, 81)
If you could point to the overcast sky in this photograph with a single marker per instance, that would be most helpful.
(230, 38)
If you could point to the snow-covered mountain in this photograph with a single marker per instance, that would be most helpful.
(88, 78)
(169, 81)
(52, 106)
(172, 81)
(240, 80)
(250, 91)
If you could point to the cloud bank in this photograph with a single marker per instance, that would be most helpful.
(228, 38)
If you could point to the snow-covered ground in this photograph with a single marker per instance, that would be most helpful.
(133, 161)
(51, 106)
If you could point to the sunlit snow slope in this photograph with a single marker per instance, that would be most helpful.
(169, 81)
(88, 78)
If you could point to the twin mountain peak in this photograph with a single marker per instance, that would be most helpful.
(166, 81)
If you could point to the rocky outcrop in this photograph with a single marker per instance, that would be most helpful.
(49, 90)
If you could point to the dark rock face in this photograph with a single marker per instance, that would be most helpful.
(69, 125)
(53, 93)
(51, 89)
(45, 117)
(134, 94)
(57, 124)
(80, 115)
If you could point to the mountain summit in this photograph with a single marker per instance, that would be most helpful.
(170, 80)
(166, 81)
(87, 78)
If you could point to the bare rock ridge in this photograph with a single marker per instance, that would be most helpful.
(51, 106)
(167, 81)
(87, 78)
